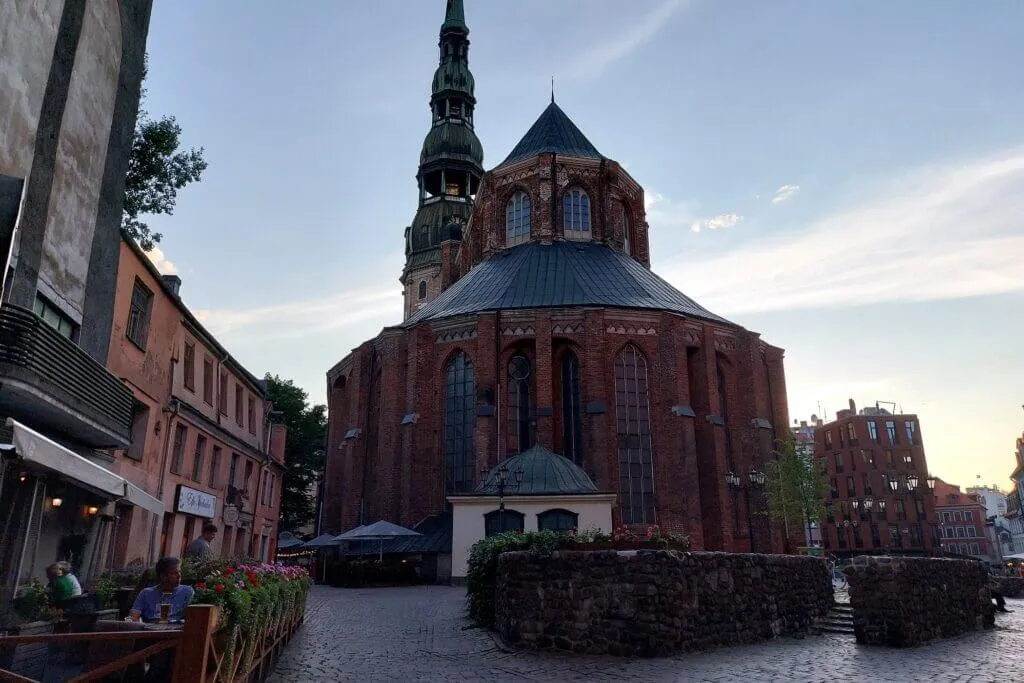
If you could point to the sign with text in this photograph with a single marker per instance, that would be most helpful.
(193, 502)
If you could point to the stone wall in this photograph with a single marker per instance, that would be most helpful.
(907, 601)
(655, 602)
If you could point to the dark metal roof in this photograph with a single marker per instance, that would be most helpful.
(535, 275)
(552, 132)
(543, 473)
(435, 537)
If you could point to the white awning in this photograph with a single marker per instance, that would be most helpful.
(36, 448)
(140, 498)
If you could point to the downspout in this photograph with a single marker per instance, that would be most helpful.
(171, 413)
(497, 382)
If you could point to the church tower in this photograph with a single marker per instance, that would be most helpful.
(451, 164)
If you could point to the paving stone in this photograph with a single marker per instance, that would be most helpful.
(420, 634)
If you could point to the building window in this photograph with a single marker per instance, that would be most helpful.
(910, 426)
(200, 455)
(576, 215)
(189, 364)
(252, 415)
(520, 429)
(867, 485)
(500, 521)
(208, 381)
(53, 317)
(851, 432)
(239, 394)
(557, 520)
(838, 457)
(423, 290)
(222, 394)
(215, 468)
(517, 219)
(459, 420)
(828, 439)
(178, 451)
(234, 469)
(627, 243)
(572, 423)
(873, 431)
(890, 427)
(137, 328)
(263, 488)
(633, 432)
(248, 477)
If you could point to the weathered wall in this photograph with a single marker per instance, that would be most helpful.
(652, 603)
(907, 601)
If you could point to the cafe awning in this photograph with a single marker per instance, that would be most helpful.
(139, 498)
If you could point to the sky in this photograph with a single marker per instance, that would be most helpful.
(846, 179)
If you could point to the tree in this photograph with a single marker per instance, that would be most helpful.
(304, 449)
(794, 486)
(156, 171)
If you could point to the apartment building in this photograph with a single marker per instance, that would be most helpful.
(961, 518)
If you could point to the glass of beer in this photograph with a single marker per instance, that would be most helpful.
(165, 612)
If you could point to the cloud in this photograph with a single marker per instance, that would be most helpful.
(936, 233)
(156, 256)
(665, 214)
(594, 61)
(784, 193)
(725, 220)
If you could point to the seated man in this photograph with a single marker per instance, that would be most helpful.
(60, 587)
(167, 589)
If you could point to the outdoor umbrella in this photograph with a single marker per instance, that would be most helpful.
(322, 542)
(287, 540)
(378, 531)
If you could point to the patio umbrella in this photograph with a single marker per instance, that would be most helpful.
(378, 531)
(322, 542)
(287, 540)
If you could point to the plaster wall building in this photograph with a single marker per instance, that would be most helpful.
(70, 77)
(203, 442)
(962, 522)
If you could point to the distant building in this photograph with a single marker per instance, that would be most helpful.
(962, 522)
(878, 484)
(803, 435)
(1008, 532)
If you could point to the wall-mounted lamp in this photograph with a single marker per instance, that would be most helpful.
(22, 477)
(57, 502)
(92, 509)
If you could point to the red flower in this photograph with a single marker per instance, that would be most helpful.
(219, 588)
(229, 571)
(201, 585)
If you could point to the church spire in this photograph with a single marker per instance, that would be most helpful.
(451, 164)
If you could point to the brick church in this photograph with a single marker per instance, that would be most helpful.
(532, 317)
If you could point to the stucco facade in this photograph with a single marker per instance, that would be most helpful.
(201, 421)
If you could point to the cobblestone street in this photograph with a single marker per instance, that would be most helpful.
(420, 634)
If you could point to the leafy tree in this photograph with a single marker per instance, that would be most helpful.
(794, 486)
(304, 449)
(156, 171)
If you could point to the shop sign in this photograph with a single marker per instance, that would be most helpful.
(198, 503)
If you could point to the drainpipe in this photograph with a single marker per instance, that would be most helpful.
(171, 411)
(497, 383)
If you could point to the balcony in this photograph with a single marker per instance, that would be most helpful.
(48, 382)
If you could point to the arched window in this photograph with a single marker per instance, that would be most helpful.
(723, 407)
(520, 427)
(576, 215)
(627, 245)
(572, 424)
(557, 520)
(500, 521)
(633, 420)
(459, 420)
(517, 219)
(423, 289)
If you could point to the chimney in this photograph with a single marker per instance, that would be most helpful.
(173, 283)
(853, 407)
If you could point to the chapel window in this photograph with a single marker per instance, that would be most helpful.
(459, 420)
(500, 521)
(423, 290)
(627, 245)
(576, 215)
(517, 219)
(557, 520)
(572, 424)
(520, 428)
(633, 430)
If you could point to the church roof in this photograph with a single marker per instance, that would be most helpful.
(553, 132)
(535, 275)
(543, 473)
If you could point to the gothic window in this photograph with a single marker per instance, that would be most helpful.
(572, 425)
(458, 423)
(626, 228)
(723, 410)
(557, 520)
(633, 419)
(576, 215)
(520, 429)
(500, 521)
(517, 219)
(423, 290)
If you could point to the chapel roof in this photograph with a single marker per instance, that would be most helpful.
(543, 473)
(536, 275)
(552, 132)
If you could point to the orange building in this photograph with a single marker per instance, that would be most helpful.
(202, 441)
(961, 517)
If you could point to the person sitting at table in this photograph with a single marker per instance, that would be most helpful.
(76, 585)
(59, 586)
(168, 589)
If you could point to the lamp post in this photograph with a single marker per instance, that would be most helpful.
(502, 483)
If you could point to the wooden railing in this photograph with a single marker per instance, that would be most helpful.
(204, 651)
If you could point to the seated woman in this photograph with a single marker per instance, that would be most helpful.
(168, 589)
(76, 586)
(60, 586)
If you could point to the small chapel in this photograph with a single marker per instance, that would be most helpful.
(533, 320)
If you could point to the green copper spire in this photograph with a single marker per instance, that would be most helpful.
(454, 17)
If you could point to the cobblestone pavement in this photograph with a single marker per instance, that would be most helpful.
(420, 634)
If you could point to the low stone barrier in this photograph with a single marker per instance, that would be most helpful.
(655, 602)
(1011, 586)
(907, 601)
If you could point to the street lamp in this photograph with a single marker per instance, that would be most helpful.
(732, 479)
(881, 505)
(931, 482)
(868, 502)
(912, 482)
(894, 484)
(756, 477)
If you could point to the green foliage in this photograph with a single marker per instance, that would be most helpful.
(304, 449)
(156, 171)
(795, 488)
(593, 535)
(33, 602)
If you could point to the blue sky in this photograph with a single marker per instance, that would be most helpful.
(846, 179)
